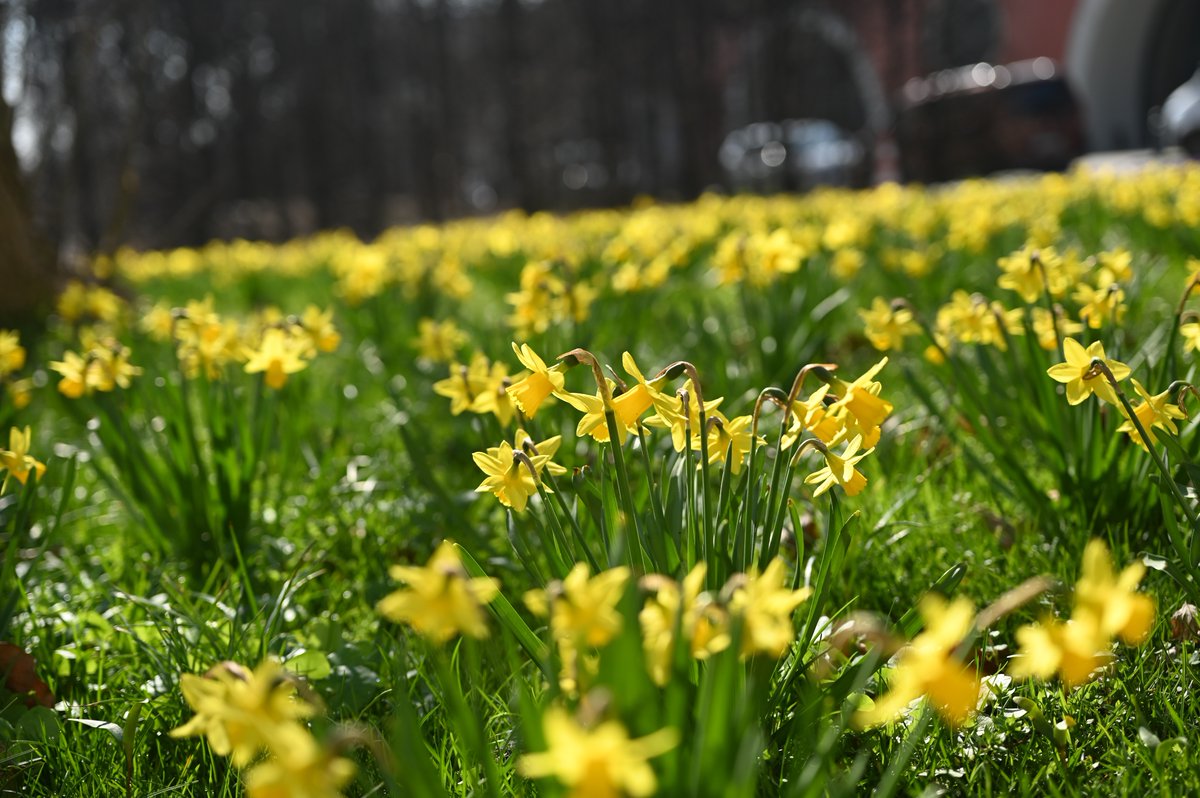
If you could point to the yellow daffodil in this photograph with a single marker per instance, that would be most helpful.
(766, 603)
(439, 341)
(12, 354)
(298, 768)
(583, 614)
(582, 609)
(440, 600)
(668, 412)
(1111, 598)
(1049, 328)
(531, 391)
(887, 327)
(599, 762)
(508, 477)
(813, 415)
(1153, 411)
(630, 405)
(1116, 266)
(465, 383)
(840, 470)
(861, 398)
(1077, 373)
(278, 354)
(20, 392)
(1072, 649)
(1027, 271)
(729, 437)
(1106, 606)
(1190, 332)
(318, 326)
(17, 460)
(74, 371)
(594, 422)
(1099, 306)
(493, 397)
(704, 625)
(238, 711)
(928, 667)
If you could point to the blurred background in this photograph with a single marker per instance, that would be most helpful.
(161, 123)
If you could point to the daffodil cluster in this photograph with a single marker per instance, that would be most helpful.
(839, 413)
(269, 343)
(584, 617)
(1106, 607)
(256, 718)
(103, 365)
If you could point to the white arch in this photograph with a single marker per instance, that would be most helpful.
(1105, 59)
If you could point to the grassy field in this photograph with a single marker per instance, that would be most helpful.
(889, 491)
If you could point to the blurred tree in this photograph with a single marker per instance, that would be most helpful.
(166, 123)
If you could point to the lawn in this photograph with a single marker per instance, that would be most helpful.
(889, 491)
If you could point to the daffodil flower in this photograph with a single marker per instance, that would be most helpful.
(725, 433)
(16, 459)
(928, 667)
(840, 470)
(241, 712)
(277, 355)
(298, 767)
(1154, 411)
(630, 405)
(594, 422)
(887, 327)
(465, 383)
(704, 625)
(1079, 376)
(12, 354)
(440, 600)
(599, 762)
(507, 477)
(1106, 606)
(765, 603)
(532, 390)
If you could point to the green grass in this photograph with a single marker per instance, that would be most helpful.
(202, 522)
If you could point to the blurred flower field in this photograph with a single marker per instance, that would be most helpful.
(889, 491)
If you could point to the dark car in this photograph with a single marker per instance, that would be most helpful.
(980, 119)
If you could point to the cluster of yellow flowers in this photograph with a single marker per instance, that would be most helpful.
(547, 297)
(81, 302)
(1106, 606)
(16, 461)
(1033, 272)
(12, 360)
(256, 718)
(441, 600)
(268, 343)
(104, 365)
(569, 262)
(1089, 371)
(838, 412)
(597, 760)
(439, 341)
